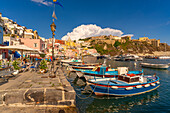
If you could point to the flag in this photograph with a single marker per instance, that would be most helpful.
(54, 16)
(57, 3)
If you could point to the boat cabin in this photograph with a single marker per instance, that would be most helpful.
(101, 69)
(129, 78)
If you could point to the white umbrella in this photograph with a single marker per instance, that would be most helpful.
(19, 48)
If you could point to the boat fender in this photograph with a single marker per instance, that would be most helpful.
(135, 64)
(129, 88)
(147, 85)
(152, 84)
(139, 86)
(158, 82)
(114, 87)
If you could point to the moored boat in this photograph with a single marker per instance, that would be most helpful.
(83, 67)
(124, 85)
(156, 66)
(164, 57)
(85, 64)
(70, 61)
(103, 71)
(127, 57)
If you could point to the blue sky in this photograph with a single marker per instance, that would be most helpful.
(149, 18)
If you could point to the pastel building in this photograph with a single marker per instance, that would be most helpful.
(142, 39)
(56, 48)
(154, 42)
(34, 43)
(3, 52)
(1, 31)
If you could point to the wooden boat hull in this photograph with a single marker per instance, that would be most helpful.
(115, 92)
(123, 90)
(70, 61)
(84, 64)
(83, 68)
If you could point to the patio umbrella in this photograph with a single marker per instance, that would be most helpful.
(19, 48)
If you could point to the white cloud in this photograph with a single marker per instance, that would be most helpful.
(84, 31)
(127, 35)
(44, 2)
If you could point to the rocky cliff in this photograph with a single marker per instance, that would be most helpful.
(128, 46)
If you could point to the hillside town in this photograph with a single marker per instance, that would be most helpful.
(11, 33)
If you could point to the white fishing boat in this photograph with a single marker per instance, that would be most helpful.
(71, 61)
(164, 57)
(127, 57)
(156, 66)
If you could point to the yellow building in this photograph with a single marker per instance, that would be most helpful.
(36, 36)
(154, 42)
(69, 43)
(143, 39)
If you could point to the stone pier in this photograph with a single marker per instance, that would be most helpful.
(31, 92)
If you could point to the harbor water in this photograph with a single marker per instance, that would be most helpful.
(157, 101)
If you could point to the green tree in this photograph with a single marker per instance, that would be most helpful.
(43, 64)
(117, 43)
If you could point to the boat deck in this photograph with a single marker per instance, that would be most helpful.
(118, 82)
(112, 82)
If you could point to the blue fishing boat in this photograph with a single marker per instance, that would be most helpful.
(124, 85)
(106, 72)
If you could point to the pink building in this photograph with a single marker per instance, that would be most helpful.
(34, 43)
(56, 48)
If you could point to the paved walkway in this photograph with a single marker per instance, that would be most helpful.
(38, 91)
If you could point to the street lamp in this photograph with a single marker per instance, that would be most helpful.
(53, 29)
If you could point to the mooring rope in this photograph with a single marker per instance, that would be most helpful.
(90, 93)
(87, 96)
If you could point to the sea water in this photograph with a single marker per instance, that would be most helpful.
(157, 101)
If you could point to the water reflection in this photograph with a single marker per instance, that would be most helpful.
(115, 104)
(145, 102)
(132, 66)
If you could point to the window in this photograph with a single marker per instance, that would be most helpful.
(35, 44)
(43, 45)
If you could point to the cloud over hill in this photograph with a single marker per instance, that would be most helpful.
(84, 31)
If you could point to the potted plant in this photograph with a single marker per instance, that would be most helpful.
(8, 63)
(16, 67)
(43, 66)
